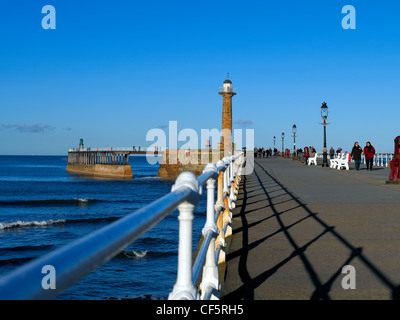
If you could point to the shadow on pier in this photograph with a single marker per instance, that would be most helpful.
(282, 249)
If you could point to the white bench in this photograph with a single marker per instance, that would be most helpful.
(334, 162)
(312, 160)
(344, 162)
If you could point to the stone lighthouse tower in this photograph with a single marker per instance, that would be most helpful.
(227, 92)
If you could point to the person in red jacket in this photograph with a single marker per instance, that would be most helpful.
(369, 152)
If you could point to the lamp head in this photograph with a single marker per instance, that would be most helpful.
(324, 111)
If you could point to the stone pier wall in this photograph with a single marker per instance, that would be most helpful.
(106, 164)
(101, 170)
(174, 162)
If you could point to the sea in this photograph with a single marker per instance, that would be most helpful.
(43, 207)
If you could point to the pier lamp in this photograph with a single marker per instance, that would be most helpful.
(274, 142)
(283, 138)
(324, 116)
(294, 130)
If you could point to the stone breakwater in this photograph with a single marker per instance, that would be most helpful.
(101, 170)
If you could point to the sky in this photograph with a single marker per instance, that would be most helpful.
(111, 71)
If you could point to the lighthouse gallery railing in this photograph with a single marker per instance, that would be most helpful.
(77, 259)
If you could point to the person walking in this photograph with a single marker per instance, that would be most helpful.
(331, 153)
(356, 153)
(306, 155)
(369, 152)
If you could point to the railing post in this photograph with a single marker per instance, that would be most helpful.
(222, 185)
(210, 278)
(210, 220)
(227, 213)
(220, 163)
(233, 185)
(184, 288)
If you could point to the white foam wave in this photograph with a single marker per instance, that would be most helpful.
(135, 254)
(19, 224)
(82, 199)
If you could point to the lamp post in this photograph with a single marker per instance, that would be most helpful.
(274, 142)
(294, 130)
(283, 138)
(324, 116)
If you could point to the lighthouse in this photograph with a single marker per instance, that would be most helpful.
(227, 92)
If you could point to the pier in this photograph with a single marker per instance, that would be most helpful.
(102, 162)
(295, 227)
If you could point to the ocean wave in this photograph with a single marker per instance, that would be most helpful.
(93, 220)
(138, 177)
(28, 248)
(133, 254)
(15, 261)
(50, 202)
(22, 224)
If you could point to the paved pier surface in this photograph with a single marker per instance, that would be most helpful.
(296, 226)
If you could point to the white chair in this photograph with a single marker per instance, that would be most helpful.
(334, 162)
(344, 163)
(312, 160)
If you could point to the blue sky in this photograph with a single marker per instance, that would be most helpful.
(113, 70)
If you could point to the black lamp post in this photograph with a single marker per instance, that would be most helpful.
(324, 116)
(283, 138)
(294, 130)
(274, 142)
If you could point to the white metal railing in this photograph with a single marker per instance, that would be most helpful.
(77, 259)
(380, 159)
(222, 90)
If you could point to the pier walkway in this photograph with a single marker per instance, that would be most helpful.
(296, 226)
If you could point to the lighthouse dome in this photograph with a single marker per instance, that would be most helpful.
(227, 85)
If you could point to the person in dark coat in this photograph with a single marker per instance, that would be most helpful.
(356, 153)
(331, 153)
(369, 152)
